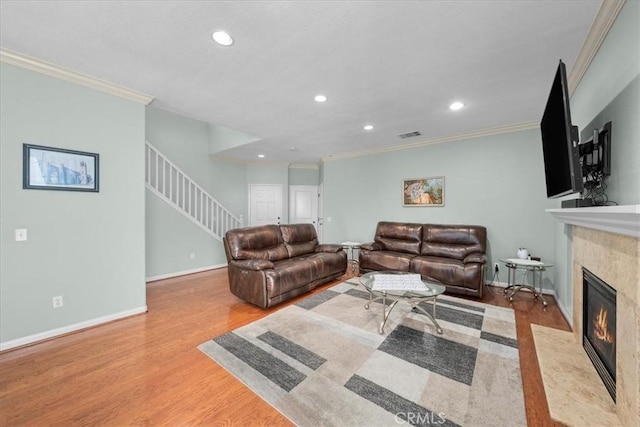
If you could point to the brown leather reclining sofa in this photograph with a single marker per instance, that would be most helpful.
(452, 254)
(273, 263)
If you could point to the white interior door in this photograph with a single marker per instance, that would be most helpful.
(265, 204)
(303, 204)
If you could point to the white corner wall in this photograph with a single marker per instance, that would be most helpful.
(87, 247)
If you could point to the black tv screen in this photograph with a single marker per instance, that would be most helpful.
(560, 141)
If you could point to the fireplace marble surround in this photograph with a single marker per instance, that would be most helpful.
(607, 242)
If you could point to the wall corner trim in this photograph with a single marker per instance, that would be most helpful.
(33, 64)
(516, 127)
(602, 23)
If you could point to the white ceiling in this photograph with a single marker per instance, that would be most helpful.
(394, 64)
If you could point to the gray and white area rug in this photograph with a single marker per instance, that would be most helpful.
(322, 362)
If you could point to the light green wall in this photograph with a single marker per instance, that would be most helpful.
(609, 90)
(304, 176)
(228, 182)
(623, 186)
(171, 237)
(222, 138)
(496, 181)
(184, 141)
(87, 247)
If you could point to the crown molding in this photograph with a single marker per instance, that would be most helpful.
(248, 162)
(263, 162)
(607, 14)
(33, 64)
(303, 166)
(469, 135)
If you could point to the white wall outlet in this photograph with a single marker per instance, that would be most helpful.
(192, 255)
(58, 302)
(21, 234)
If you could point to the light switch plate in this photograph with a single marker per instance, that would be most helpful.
(21, 234)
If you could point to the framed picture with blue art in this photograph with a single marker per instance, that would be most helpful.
(423, 191)
(49, 168)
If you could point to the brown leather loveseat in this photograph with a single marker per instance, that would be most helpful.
(272, 263)
(455, 255)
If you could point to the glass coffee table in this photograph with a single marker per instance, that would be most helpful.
(413, 297)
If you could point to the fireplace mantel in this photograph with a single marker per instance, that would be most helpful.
(614, 219)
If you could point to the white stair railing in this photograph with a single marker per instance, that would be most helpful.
(168, 182)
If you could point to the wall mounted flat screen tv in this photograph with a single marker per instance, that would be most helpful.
(560, 141)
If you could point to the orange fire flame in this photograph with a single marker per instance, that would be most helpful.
(601, 330)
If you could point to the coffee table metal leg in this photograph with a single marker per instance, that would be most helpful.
(372, 299)
(414, 304)
(544, 302)
(385, 314)
(432, 317)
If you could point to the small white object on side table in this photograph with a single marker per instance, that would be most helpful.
(350, 247)
(536, 268)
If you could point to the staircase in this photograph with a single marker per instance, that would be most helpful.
(168, 182)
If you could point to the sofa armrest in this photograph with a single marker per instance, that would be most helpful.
(328, 248)
(373, 246)
(476, 257)
(253, 264)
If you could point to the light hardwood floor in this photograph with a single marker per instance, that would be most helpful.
(146, 370)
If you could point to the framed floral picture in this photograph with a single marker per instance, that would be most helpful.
(423, 191)
(48, 168)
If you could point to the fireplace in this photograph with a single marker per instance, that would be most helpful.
(599, 327)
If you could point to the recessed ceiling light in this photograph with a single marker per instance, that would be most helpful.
(261, 155)
(456, 106)
(368, 127)
(222, 38)
(320, 98)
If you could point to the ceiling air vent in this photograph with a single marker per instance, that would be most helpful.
(409, 134)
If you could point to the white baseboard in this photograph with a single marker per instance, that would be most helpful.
(184, 273)
(497, 284)
(70, 328)
(504, 285)
(567, 315)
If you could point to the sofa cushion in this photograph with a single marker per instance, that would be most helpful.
(328, 247)
(299, 238)
(444, 270)
(385, 260)
(326, 263)
(253, 264)
(453, 241)
(262, 242)
(449, 271)
(288, 275)
(399, 237)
